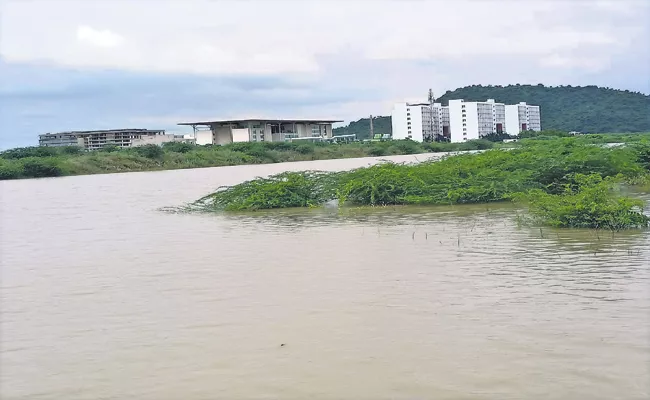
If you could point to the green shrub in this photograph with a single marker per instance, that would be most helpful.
(304, 149)
(178, 147)
(281, 146)
(594, 204)
(24, 152)
(109, 148)
(71, 150)
(289, 189)
(476, 144)
(34, 167)
(555, 175)
(406, 147)
(151, 151)
(377, 151)
(10, 170)
(643, 153)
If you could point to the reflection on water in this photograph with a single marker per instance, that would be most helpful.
(103, 296)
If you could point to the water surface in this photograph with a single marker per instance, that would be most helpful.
(105, 297)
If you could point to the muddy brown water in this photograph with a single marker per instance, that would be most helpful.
(103, 296)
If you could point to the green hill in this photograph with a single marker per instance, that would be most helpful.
(361, 128)
(588, 109)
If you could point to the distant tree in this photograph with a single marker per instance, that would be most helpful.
(497, 137)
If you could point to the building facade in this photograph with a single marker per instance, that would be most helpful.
(470, 120)
(522, 117)
(461, 120)
(422, 122)
(122, 138)
(259, 130)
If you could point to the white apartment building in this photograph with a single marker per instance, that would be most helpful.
(522, 117)
(469, 120)
(419, 121)
(461, 120)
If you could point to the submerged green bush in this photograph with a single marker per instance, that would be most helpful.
(289, 189)
(595, 203)
(568, 184)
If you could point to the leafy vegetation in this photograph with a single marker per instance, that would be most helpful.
(62, 161)
(75, 161)
(588, 109)
(567, 181)
(593, 203)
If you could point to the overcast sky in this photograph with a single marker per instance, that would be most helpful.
(92, 64)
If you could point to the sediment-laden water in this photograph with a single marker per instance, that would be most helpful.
(105, 296)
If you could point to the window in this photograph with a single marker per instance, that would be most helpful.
(464, 120)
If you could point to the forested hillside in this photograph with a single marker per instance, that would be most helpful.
(589, 109)
(361, 128)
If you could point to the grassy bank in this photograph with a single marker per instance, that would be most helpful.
(37, 162)
(557, 177)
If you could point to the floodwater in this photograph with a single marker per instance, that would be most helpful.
(106, 297)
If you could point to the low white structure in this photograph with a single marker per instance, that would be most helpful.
(522, 117)
(259, 130)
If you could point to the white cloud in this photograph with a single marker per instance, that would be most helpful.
(99, 38)
(591, 64)
(291, 36)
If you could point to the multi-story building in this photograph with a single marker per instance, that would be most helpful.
(522, 117)
(421, 122)
(259, 130)
(470, 120)
(461, 120)
(95, 140)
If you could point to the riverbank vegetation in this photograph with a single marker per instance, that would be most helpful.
(40, 162)
(565, 181)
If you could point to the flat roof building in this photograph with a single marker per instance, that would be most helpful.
(95, 140)
(422, 122)
(259, 130)
(470, 120)
(522, 117)
(462, 120)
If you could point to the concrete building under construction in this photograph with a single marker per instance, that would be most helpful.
(222, 132)
(122, 138)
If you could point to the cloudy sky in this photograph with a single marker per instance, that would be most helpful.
(82, 64)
